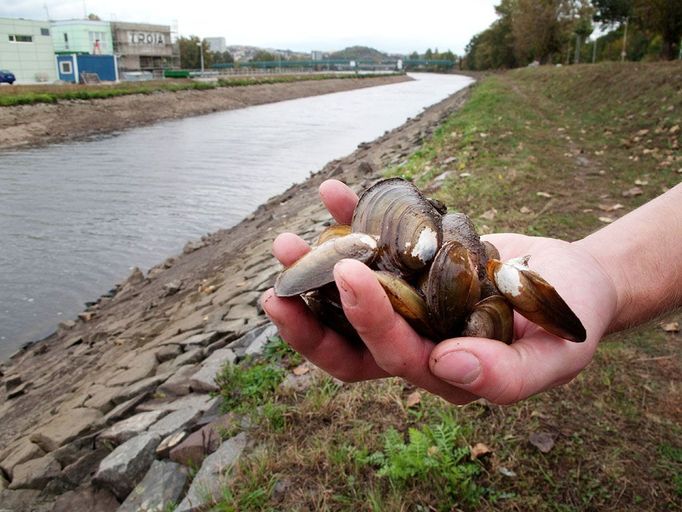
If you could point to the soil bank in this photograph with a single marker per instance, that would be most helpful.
(39, 124)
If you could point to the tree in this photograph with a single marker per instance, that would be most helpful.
(414, 56)
(263, 56)
(662, 17)
(222, 57)
(612, 11)
(190, 53)
(428, 55)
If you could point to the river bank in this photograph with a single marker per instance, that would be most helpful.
(161, 335)
(40, 124)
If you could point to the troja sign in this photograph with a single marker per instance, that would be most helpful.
(156, 38)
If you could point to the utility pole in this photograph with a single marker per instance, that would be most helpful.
(594, 52)
(577, 49)
(625, 41)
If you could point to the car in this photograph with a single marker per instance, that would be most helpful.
(7, 76)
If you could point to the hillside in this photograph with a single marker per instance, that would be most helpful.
(359, 53)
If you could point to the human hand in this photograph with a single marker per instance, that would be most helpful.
(458, 369)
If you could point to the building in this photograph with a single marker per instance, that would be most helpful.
(77, 67)
(26, 50)
(143, 47)
(82, 36)
(216, 44)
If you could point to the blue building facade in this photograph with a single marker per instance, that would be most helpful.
(71, 66)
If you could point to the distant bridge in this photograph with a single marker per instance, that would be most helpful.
(343, 64)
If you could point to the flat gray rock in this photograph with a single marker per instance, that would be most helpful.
(65, 427)
(36, 473)
(22, 451)
(129, 428)
(178, 383)
(177, 420)
(123, 468)
(204, 379)
(207, 483)
(198, 401)
(162, 486)
(258, 344)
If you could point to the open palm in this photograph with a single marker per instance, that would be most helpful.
(458, 369)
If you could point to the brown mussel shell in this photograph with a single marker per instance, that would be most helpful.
(325, 303)
(493, 318)
(406, 224)
(458, 227)
(333, 231)
(452, 288)
(535, 298)
(406, 301)
(316, 268)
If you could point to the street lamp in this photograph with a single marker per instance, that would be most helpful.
(201, 50)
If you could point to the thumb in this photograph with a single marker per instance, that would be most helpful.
(505, 374)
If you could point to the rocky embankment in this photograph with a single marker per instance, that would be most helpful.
(111, 411)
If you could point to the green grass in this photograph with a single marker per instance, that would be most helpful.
(68, 93)
(617, 425)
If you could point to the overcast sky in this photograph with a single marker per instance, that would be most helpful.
(391, 26)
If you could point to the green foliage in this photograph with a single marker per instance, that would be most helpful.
(190, 52)
(277, 350)
(430, 455)
(245, 386)
(263, 56)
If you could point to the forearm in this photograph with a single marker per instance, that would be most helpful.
(642, 254)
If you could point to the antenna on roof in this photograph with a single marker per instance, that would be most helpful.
(47, 12)
(85, 10)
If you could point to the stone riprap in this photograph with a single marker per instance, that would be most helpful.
(114, 392)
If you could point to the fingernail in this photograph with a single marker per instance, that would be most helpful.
(458, 367)
(345, 290)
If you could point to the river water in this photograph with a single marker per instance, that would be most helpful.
(75, 218)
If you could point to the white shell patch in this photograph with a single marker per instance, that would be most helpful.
(508, 276)
(426, 246)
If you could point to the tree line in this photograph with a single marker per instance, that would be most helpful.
(557, 32)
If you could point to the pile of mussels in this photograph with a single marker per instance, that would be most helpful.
(435, 270)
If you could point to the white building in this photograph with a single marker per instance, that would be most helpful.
(216, 44)
(26, 50)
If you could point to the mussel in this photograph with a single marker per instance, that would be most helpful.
(434, 268)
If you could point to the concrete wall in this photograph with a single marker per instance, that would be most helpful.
(31, 61)
(81, 36)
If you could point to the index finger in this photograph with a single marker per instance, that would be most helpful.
(339, 199)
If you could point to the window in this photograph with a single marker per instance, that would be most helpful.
(66, 37)
(16, 38)
(65, 67)
(44, 31)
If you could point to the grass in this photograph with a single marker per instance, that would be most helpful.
(575, 133)
(28, 95)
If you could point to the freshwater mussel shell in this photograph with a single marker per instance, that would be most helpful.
(316, 268)
(535, 299)
(452, 288)
(407, 301)
(493, 318)
(407, 225)
(333, 231)
(325, 303)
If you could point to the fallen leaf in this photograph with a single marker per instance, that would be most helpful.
(489, 215)
(674, 129)
(301, 369)
(610, 207)
(642, 133)
(671, 327)
(525, 210)
(479, 450)
(588, 210)
(634, 191)
(543, 194)
(641, 182)
(606, 220)
(413, 399)
(543, 441)
(506, 472)
(464, 174)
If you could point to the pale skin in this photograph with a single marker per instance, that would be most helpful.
(623, 275)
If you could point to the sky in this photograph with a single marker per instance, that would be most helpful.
(396, 26)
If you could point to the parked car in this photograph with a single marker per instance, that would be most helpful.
(7, 76)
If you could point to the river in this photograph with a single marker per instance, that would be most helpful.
(75, 218)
